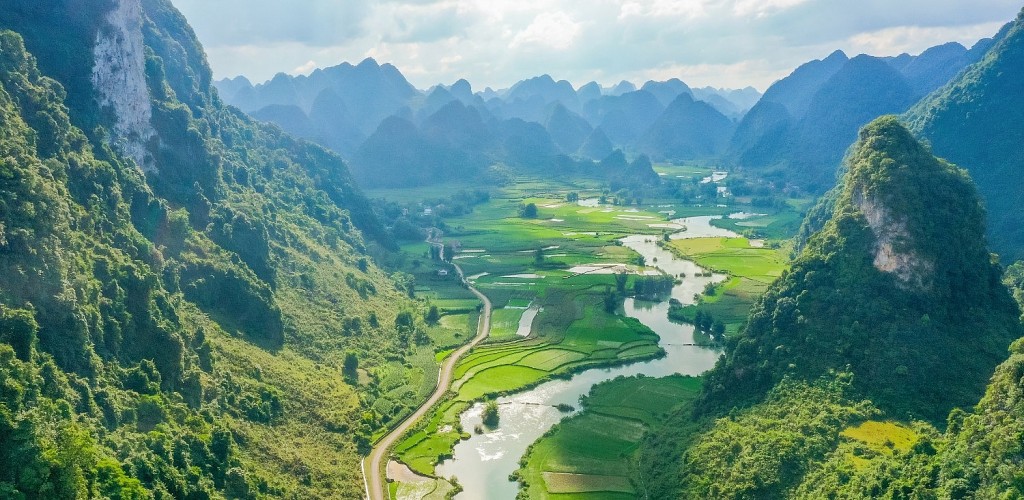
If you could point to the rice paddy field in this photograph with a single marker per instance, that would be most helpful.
(751, 270)
(562, 262)
(589, 455)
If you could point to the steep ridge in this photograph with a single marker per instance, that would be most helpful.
(687, 130)
(799, 130)
(174, 324)
(893, 312)
(898, 288)
(975, 121)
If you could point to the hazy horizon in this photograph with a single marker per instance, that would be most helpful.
(718, 43)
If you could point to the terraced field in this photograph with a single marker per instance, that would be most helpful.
(517, 262)
(595, 339)
(588, 456)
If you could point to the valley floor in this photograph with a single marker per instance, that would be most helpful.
(557, 271)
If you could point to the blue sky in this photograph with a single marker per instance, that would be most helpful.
(730, 43)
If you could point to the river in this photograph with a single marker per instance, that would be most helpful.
(483, 463)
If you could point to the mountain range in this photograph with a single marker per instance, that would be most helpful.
(312, 107)
(796, 133)
(801, 127)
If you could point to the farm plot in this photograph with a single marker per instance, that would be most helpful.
(588, 455)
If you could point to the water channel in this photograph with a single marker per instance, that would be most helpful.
(483, 463)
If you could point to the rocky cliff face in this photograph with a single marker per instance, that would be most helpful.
(897, 288)
(893, 246)
(119, 77)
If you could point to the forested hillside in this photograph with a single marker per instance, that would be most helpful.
(975, 122)
(856, 374)
(879, 291)
(188, 307)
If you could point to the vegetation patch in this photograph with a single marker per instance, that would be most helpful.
(561, 482)
(594, 452)
(883, 437)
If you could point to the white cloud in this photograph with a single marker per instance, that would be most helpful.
(554, 30)
(305, 69)
(686, 9)
(762, 8)
(498, 42)
(914, 39)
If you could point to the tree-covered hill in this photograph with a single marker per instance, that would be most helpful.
(898, 288)
(975, 121)
(181, 285)
(860, 372)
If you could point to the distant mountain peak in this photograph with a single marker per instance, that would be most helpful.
(837, 55)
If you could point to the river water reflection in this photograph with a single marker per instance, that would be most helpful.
(483, 463)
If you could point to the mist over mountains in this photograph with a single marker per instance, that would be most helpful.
(796, 133)
(372, 115)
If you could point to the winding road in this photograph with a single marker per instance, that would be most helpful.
(373, 465)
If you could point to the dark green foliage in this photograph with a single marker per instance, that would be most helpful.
(432, 316)
(351, 364)
(1014, 280)
(986, 447)
(975, 121)
(490, 416)
(919, 338)
(652, 287)
(149, 323)
(528, 211)
(765, 451)
(18, 328)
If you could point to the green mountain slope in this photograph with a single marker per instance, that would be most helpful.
(898, 288)
(974, 121)
(181, 285)
(892, 313)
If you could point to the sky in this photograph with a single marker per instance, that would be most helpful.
(721, 43)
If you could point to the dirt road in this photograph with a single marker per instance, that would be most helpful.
(373, 465)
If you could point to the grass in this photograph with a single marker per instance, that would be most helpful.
(453, 330)
(590, 455)
(579, 334)
(573, 332)
(751, 269)
(883, 437)
(734, 256)
(505, 324)
(776, 224)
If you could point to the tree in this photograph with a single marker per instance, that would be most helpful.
(491, 413)
(572, 197)
(718, 328)
(432, 316)
(528, 211)
(351, 365)
(538, 256)
(620, 282)
(611, 301)
(404, 321)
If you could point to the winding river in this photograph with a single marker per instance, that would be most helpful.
(483, 463)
